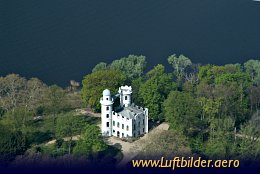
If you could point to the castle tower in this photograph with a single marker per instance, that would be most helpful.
(106, 113)
(125, 95)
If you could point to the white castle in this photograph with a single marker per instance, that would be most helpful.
(127, 120)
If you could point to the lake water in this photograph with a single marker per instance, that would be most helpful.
(59, 40)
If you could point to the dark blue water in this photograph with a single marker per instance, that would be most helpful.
(59, 40)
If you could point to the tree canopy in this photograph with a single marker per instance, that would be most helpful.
(96, 82)
(155, 90)
(90, 142)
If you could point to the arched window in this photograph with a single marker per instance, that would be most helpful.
(127, 128)
(126, 97)
(107, 108)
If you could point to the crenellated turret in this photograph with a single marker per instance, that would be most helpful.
(125, 95)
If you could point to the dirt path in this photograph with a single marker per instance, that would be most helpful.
(130, 150)
(87, 112)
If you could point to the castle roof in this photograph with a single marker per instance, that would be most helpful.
(131, 111)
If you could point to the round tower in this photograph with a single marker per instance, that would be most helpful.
(125, 95)
(106, 113)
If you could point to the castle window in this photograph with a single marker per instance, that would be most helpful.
(127, 128)
(107, 108)
(123, 126)
(113, 123)
(107, 98)
(118, 124)
(125, 97)
(123, 117)
(107, 115)
(107, 124)
(123, 134)
(114, 131)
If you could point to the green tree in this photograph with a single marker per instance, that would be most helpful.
(132, 66)
(95, 83)
(155, 89)
(182, 112)
(249, 145)
(56, 96)
(179, 64)
(166, 144)
(254, 96)
(136, 85)
(68, 126)
(17, 119)
(100, 66)
(12, 91)
(35, 94)
(253, 68)
(90, 143)
(221, 144)
(12, 143)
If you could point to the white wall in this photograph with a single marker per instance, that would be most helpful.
(120, 120)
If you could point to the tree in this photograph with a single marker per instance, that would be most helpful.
(132, 66)
(68, 126)
(249, 142)
(165, 143)
(16, 91)
(12, 143)
(90, 142)
(136, 85)
(254, 96)
(95, 83)
(182, 112)
(155, 89)
(179, 64)
(35, 94)
(17, 119)
(100, 66)
(253, 68)
(55, 101)
(10, 91)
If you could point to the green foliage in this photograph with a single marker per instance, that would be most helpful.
(90, 142)
(249, 143)
(100, 66)
(155, 90)
(132, 66)
(95, 83)
(56, 97)
(221, 144)
(179, 64)
(253, 68)
(240, 78)
(182, 112)
(136, 85)
(17, 119)
(166, 144)
(12, 143)
(67, 126)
